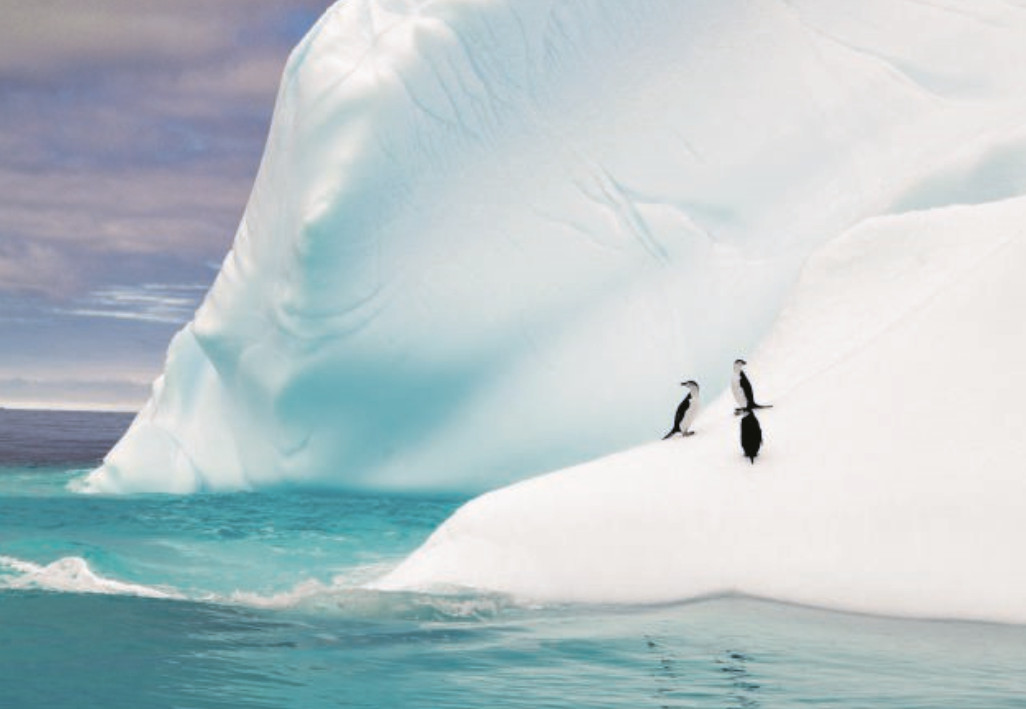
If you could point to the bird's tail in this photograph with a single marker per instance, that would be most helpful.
(672, 431)
(738, 410)
(752, 458)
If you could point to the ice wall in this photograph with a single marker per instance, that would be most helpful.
(488, 237)
(891, 479)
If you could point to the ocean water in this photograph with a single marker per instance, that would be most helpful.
(255, 600)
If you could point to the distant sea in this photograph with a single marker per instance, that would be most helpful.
(37, 438)
(255, 600)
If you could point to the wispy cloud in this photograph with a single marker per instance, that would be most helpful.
(150, 302)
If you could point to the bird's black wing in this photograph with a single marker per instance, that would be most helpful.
(682, 410)
(746, 389)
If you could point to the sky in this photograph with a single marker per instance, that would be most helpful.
(130, 135)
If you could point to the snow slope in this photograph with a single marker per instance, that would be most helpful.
(488, 237)
(891, 480)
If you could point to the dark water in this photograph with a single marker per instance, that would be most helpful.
(259, 600)
(39, 438)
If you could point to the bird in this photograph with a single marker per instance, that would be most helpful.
(742, 390)
(751, 436)
(686, 412)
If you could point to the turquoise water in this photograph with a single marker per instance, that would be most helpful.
(255, 600)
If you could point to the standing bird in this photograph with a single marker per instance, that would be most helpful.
(751, 436)
(741, 388)
(686, 412)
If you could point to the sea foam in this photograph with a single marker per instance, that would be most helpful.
(71, 574)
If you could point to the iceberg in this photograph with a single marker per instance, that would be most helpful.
(487, 238)
(891, 480)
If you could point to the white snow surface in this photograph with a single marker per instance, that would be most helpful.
(891, 479)
(489, 237)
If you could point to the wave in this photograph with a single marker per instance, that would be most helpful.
(346, 595)
(354, 595)
(71, 574)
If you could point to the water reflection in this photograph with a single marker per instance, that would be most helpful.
(666, 674)
(743, 687)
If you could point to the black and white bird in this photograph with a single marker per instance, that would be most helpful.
(751, 436)
(741, 388)
(686, 412)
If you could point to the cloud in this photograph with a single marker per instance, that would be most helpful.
(150, 302)
(43, 39)
(29, 267)
(145, 209)
(130, 134)
(62, 234)
(73, 393)
(131, 127)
